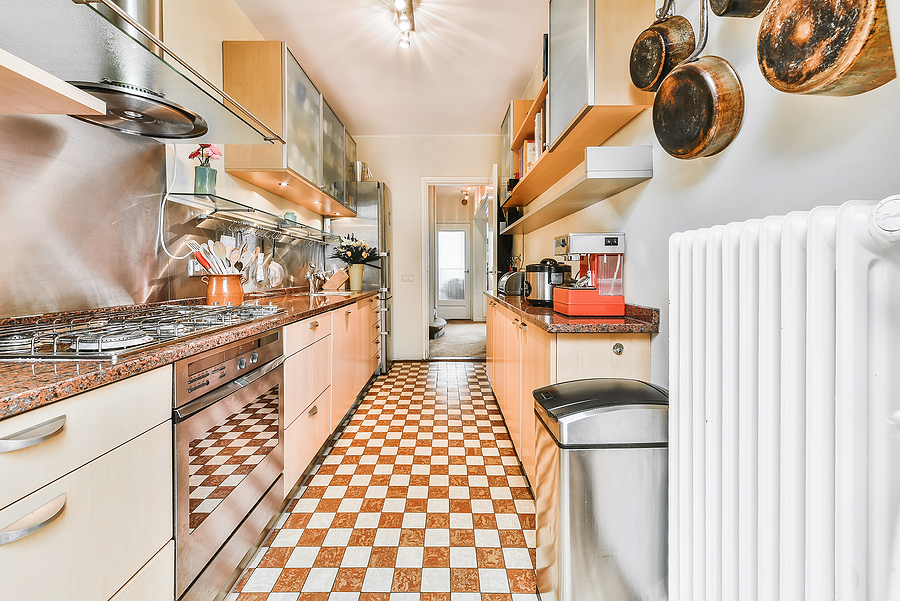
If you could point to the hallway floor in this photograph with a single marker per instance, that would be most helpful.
(421, 497)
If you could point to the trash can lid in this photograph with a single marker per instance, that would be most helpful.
(603, 412)
(567, 398)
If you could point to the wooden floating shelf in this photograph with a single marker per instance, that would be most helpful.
(28, 90)
(526, 130)
(289, 185)
(595, 126)
(604, 172)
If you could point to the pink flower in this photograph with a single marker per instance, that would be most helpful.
(205, 153)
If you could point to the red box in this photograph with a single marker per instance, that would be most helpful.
(585, 302)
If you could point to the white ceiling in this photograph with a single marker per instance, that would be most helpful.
(468, 59)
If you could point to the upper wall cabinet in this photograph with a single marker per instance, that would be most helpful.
(332, 154)
(590, 91)
(350, 171)
(266, 79)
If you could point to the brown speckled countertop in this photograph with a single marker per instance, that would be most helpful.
(637, 320)
(26, 385)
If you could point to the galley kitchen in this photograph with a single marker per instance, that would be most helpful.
(417, 299)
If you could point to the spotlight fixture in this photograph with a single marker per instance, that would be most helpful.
(406, 20)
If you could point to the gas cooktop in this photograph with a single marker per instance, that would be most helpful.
(113, 334)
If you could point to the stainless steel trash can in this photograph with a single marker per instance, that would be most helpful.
(602, 455)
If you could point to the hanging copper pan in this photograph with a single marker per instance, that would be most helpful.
(829, 47)
(738, 8)
(660, 48)
(699, 106)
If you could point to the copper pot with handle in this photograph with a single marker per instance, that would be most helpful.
(224, 289)
(699, 106)
(827, 47)
(660, 48)
(738, 8)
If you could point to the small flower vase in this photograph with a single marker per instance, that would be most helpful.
(356, 273)
(204, 180)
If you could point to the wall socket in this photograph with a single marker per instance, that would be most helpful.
(195, 269)
(407, 277)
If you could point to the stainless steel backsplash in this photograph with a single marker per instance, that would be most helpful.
(79, 208)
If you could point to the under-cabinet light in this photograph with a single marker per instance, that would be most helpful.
(404, 39)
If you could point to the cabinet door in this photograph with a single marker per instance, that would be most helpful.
(592, 356)
(344, 362)
(155, 581)
(332, 154)
(307, 374)
(302, 119)
(117, 516)
(489, 361)
(513, 386)
(570, 21)
(350, 171)
(536, 362)
(304, 437)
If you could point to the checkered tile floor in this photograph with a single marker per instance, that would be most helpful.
(223, 457)
(420, 498)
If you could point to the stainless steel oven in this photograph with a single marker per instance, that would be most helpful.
(229, 458)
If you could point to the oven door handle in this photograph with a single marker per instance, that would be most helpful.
(201, 403)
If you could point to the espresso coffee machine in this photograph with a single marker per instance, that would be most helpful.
(598, 291)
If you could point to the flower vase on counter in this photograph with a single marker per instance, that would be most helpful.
(204, 175)
(204, 180)
(355, 253)
(356, 273)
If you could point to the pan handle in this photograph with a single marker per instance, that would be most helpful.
(667, 10)
(704, 33)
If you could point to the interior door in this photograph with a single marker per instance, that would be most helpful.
(454, 284)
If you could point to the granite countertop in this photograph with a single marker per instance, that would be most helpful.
(26, 385)
(637, 319)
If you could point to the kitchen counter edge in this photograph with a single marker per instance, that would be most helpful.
(27, 385)
(637, 320)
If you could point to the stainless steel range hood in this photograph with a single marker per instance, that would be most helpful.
(160, 98)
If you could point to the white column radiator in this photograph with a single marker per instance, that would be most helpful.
(784, 373)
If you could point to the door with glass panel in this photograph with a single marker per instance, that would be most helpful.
(453, 292)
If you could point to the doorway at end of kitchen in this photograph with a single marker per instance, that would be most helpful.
(456, 271)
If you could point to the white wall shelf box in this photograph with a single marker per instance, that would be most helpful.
(27, 90)
(605, 171)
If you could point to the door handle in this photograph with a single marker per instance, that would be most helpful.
(34, 435)
(313, 411)
(313, 325)
(40, 518)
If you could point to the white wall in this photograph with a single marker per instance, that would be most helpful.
(792, 153)
(402, 163)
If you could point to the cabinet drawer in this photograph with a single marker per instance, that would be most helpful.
(117, 515)
(306, 375)
(304, 437)
(95, 422)
(303, 333)
(155, 581)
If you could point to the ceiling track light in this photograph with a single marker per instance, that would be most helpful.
(406, 20)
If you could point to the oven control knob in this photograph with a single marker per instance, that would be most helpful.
(254, 357)
(242, 363)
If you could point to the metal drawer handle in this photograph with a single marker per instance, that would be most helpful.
(313, 324)
(348, 312)
(33, 435)
(313, 411)
(523, 325)
(34, 521)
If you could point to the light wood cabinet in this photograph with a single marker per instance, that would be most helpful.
(117, 516)
(304, 437)
(94, 422)
(155, 581)
(525, 357)
(307, 373)
(28, 90)
(266, 79)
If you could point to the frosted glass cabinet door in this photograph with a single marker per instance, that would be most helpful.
(350, 171)
(302, 114)
(506, 135)
(332, 154)
(569, 77)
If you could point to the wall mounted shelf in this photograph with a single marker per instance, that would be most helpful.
(526, 129)
(604, 172)
(291, 186)
(28, 90)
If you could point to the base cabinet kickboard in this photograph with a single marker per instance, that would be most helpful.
(522, 357)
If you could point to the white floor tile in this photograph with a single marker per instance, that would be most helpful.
(482, 506)
(414, 520)
(410, 557)
(517, 558)
(508, 521)
(367, 520)
(283, 597)
(337, 537)
(302, 557)
(306, 505)
(439, 537)
(439, 506)
(320, 520)
(487, 538)
(262, 580)
(387, 537)
(435, 580)
(493, 581)
(356, 557)
(394, 506)
(350, 506)
(463, 557)
(461, 520)
(287, 538)
(320, 580)
(378, 580)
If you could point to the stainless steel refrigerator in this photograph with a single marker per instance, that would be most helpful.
(372, 224)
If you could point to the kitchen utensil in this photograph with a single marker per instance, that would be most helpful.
(828, 47)
(234, 255)
(202, 260)
(541, 278)
(275, 274)
(738, 8)
(211, 264)
(246, 258)
(699, 106)
(660, 48)
(224, 289)
(220, 249)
